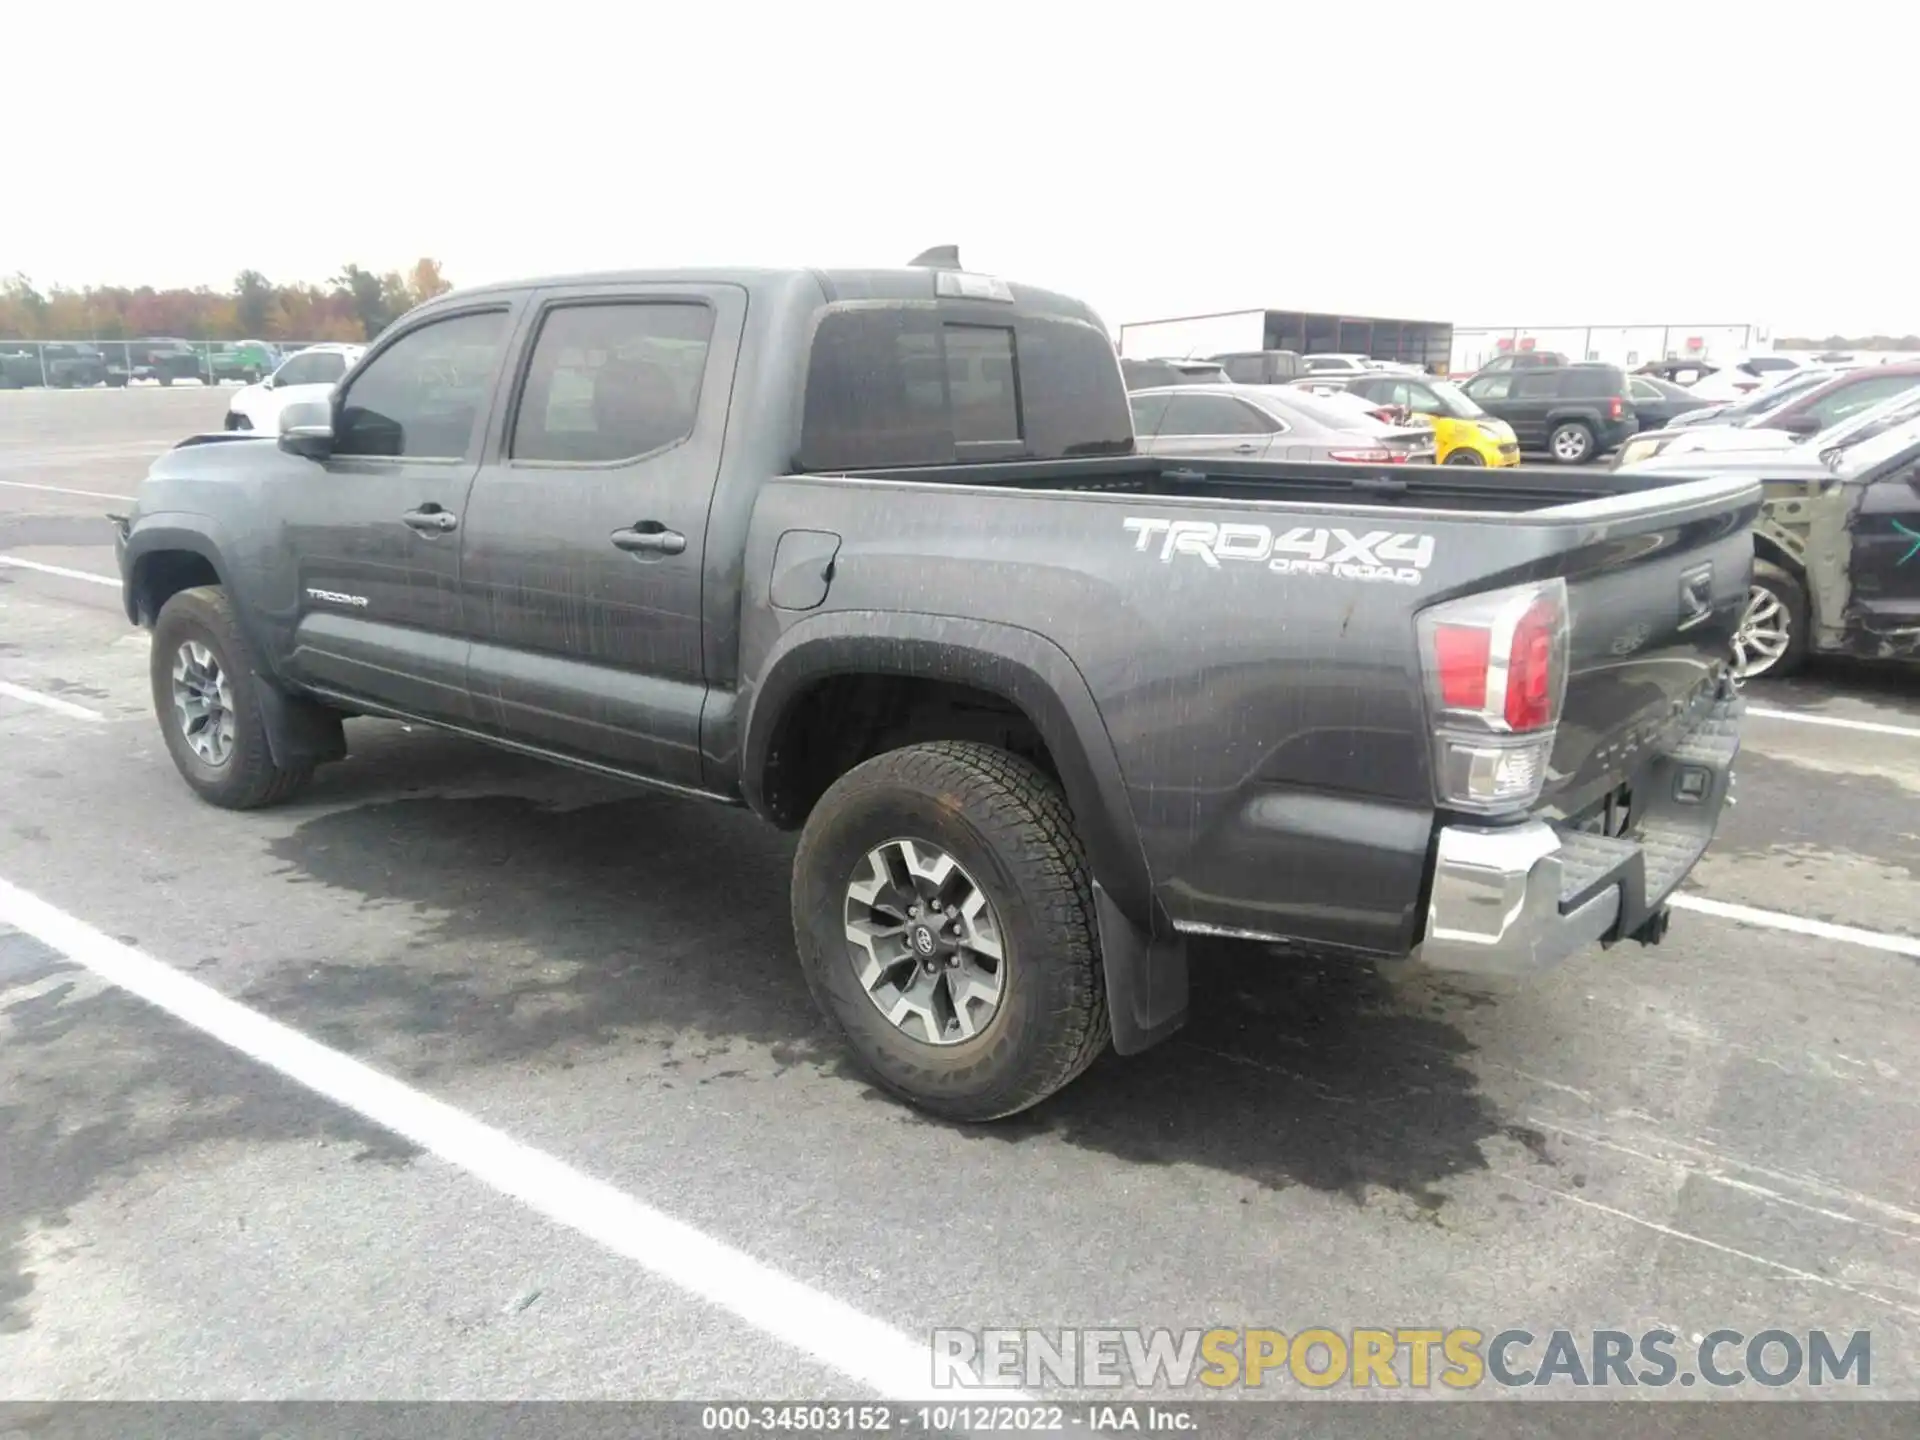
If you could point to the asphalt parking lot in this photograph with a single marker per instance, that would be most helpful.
(651, 1175)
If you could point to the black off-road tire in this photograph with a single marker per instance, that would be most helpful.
(1009, 827)
(1463, 456)
(249, 779)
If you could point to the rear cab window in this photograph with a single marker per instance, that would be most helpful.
(899, 383)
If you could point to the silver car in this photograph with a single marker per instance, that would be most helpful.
(1270, 423)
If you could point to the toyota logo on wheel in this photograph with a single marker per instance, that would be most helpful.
(923, 940)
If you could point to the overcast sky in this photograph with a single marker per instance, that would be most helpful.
(1565, 162)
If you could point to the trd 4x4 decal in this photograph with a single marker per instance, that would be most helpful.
(1375, 555)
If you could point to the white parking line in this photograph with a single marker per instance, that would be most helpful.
(1871, 727)
(49, 702)
(63, 490)
(15, 562)
(1799, 925)
(813, 1323)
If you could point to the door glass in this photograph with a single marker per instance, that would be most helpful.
(321, 368)
(1212, 415)
(612, 382)
(420, 397)
(1490, 387)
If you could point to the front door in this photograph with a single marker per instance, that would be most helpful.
(1886, 550)
(585, 540)
(375, 538)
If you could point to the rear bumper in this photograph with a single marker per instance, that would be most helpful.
(1518, 899)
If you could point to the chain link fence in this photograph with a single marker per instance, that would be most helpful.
(80, 364)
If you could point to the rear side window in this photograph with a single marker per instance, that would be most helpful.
(1592, 382)
(1212, 415)
(1244, 369)
(612, 382)
(1530, 384)
(312, 368)
(912, 384)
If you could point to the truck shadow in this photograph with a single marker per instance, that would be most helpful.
(546, 934)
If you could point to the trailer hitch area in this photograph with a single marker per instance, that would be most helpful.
(1654, 928)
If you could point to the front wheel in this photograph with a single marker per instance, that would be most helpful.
(1571, 443)
(1464, 456)
(944, 918)
(1772, 638)
(206, 697)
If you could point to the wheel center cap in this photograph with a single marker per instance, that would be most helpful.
(925, 943)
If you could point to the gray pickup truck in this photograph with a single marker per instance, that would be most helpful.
(872, 553)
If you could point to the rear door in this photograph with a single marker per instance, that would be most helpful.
(1531, 403)
(585, 539)
(376, 537)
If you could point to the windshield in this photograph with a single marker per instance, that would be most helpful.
(1455, 401)
(1774, 398)
(1833, 442)
(1855, 460)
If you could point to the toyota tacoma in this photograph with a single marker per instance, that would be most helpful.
(872, 553)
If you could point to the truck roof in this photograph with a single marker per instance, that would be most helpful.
(880, 283)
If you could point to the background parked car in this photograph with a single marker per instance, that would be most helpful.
(1732, 412)
(304, 376)
(1464, 434)
(247, 361)
(164, 360)
(1576, 414)
(1658, 402)
(1743, 376)
(60, 366)
(1261, 367)
(1523, 360)
(1151, 374)
(1269, 422)
(1804, 411)
(1677, 372)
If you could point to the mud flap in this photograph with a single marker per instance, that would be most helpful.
(1146, 978)
(300, 733)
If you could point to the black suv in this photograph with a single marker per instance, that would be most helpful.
(1575, 413)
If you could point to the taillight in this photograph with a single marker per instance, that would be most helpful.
(1616, 407)
(1496, 676)
(1368, 457)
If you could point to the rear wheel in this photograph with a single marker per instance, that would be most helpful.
(206, 697)
(944, 918)
(1571, 443)
(1772, 638)
(1464, 456)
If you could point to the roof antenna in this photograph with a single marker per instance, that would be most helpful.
(940, 257)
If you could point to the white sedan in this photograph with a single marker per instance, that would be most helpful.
(305, 375)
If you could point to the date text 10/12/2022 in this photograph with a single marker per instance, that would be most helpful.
(960, 1418)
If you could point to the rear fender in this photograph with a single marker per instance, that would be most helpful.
(1142, 955)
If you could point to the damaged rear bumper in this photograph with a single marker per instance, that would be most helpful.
(1517, 899)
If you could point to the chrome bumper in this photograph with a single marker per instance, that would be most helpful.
(1495, 908)
(1516, 899)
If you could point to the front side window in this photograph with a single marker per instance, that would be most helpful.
(612, 382)
(1490, 387)
(1852, 399)
(420, 397)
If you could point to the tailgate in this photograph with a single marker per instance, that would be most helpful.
(1651, 625)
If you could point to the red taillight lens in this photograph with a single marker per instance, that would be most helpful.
(1616, 407)
(1530, 668)
(1367, 457)
(1461, 654)
(1496, 669)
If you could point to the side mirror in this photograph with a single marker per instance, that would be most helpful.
(306, 429)
(266, 382)
(1803, 425)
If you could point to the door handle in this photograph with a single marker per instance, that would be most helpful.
(649, 538)
(431, 520)
(1247, 449)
